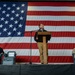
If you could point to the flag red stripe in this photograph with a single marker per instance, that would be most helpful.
(54, 13)
(51, 4)
(51, 23)
(34, 46)
(53, 34)
(51, 59)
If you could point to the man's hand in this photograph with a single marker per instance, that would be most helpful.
(36, 38)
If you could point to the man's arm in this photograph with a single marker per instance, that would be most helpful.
(36, 37)
(49, 37)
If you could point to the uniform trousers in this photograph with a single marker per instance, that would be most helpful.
(43, 53)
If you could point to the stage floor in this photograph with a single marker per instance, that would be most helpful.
(37, 69)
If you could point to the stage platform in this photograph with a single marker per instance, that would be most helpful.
(37, 69)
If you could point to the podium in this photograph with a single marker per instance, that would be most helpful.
(44, 34)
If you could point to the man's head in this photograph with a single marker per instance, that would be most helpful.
(41, 26)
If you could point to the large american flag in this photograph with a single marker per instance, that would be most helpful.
(18, 19)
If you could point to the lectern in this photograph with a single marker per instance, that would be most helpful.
(44, 35)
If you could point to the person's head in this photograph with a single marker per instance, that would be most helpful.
(1, 50)
(41, 26)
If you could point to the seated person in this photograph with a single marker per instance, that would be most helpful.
(1, 53)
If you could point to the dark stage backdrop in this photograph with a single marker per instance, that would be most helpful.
(37, 0)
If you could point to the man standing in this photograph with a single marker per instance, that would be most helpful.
(39, 40)
(73, 54)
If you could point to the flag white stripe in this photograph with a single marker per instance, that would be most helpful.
(51, 52)
(52, 28)
(28, 40)
(51, 18)
(50, 8)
